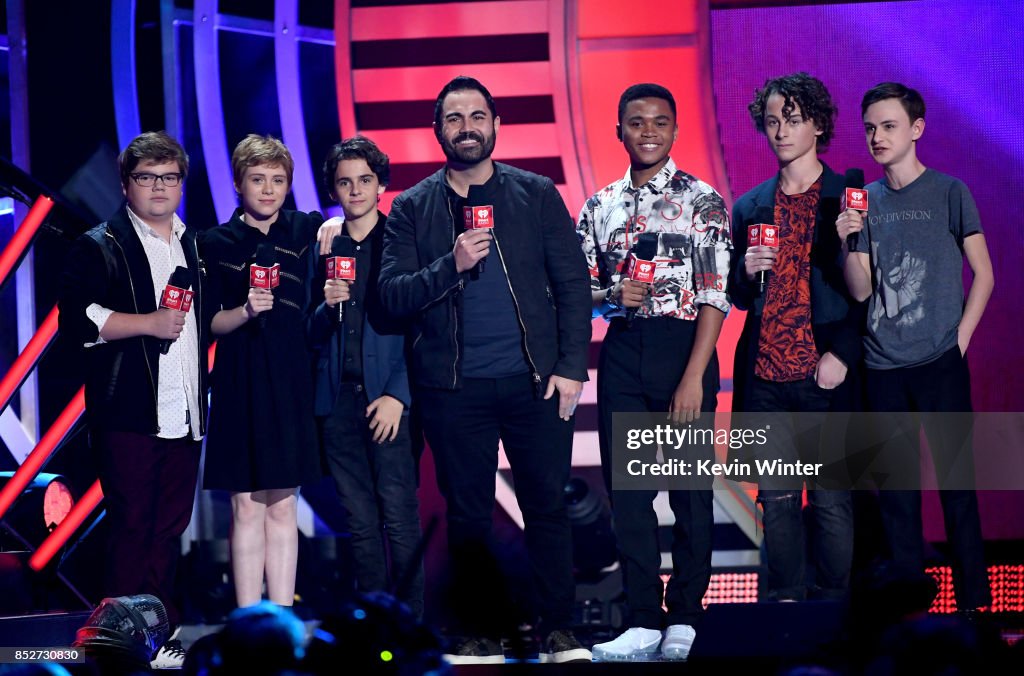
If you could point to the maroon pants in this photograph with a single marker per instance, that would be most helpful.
(148, 487)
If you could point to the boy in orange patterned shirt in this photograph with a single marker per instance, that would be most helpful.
(801, 341)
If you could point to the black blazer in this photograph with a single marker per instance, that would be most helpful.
(837, 320)
(108, 266)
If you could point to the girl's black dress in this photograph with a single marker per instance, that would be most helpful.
(262, 433)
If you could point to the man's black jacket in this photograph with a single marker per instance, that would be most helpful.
(535, 241)
(108, 266)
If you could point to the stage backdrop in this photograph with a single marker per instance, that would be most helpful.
(965, 60)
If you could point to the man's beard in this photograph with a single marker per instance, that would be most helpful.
(469, 155)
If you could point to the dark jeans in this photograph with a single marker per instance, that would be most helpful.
(640, 366)
(463, 428)
(376, 483)
(831, 511)
(943, 385)
(149, 486)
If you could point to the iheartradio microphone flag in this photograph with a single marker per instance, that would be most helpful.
(176, 298)
(264, 276)
(177, 295)
(478, 217)
(763, 234)
(754, 235)
(640, 270)
(854, 198)
(341, 267)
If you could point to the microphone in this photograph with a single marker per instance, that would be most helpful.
(341, 264)
(854, 197)
(176, 296)
(477, 217)
(265, 272)
(763, 232)
(640, 265)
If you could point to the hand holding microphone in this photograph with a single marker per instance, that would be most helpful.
(341, 271)
(630, 294)
(854, 205)
(264, 277)
(175, 301)
(471, 247)
(475, 241)
(258, 301)
(167, 325)
(762, 246)
(849, 224)
(639, 274)
(336, 291)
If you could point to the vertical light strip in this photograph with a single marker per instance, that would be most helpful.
(715, 153)
(289, 102)
(211, 108)
(122, 67)
(17, 40)
(573, 78)
(561, 86)
(343, 85)
(169, 60)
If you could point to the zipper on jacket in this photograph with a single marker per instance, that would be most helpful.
(200, 271)
(145, 355)
(455, 314)
(519, 314)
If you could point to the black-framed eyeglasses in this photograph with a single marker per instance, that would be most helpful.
(149, 180)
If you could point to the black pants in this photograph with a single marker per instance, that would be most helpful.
(831, 511)
(640, 366)
(463, 428)
(377, 486)
(149, 486)
(943, 385)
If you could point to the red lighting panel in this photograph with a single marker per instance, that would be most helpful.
(1005, 581)
(23, 235)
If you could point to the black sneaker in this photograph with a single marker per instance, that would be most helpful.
(476, 651)
(561, 646)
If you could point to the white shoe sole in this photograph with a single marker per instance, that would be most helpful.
(643, 655)
(676, 654)
(473, 659)
(576, 655)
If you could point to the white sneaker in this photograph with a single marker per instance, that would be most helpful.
(171, 654)
(678, 641)
(634, 645)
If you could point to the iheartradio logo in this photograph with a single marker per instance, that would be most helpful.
(263, 277)
(763, 234)
(854, 198)
(175, 298)
(341, 267)
(640, 270)
(478, 217)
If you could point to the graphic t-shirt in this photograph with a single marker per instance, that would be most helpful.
(914, 237)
